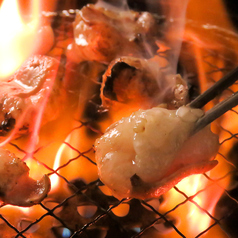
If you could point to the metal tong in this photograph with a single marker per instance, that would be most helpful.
(222, 107)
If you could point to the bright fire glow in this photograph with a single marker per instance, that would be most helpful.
(204, 195)
(191, 186)
(25, 210)
(17, 38)
(54, 179)
(16, 45)
(15, 210)
(192, 219)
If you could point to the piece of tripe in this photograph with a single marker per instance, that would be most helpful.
(16, 187)
(102, 35)
(24, 93)
(146, 154)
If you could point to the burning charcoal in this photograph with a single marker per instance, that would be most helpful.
(37, 82)
(16, 187)
(102, 35)
(146, 154)
(165, 227)
(93, 193)
(139, 82)
(87, 211)
(116, 231)
(25, 223)
(90, 194)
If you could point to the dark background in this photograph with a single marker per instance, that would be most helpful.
(232, 8)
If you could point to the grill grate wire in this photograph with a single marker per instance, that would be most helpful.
(142, 217)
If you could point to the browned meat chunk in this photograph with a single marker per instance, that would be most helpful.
(35, 85)
(16, 187)
(103, 35)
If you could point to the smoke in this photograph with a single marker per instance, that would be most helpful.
(170, 18)
(174, 12)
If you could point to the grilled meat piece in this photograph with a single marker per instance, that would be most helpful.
(36, 84)
(103, 35)
(130, 80)
(146, 154)
(16, 187)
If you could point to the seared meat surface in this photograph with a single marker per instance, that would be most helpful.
(16, 187)
(36, 84)
(147, 153)
(103, 35)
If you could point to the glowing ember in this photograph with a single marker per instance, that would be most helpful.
(17, 37)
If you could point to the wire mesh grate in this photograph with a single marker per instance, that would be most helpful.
(84, 208)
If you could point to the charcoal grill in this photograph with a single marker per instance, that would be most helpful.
(84, 207)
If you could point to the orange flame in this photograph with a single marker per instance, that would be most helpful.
(202, 28)
(17, 37)
(17, 43)
(54, 179)
(190, 186)
(58, 161)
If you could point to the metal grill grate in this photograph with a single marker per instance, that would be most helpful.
(86, 210)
